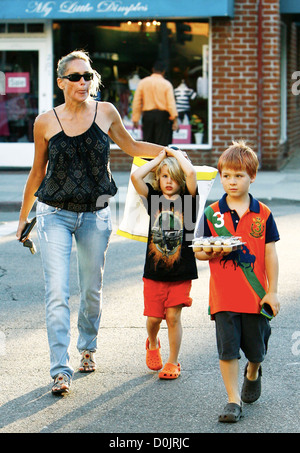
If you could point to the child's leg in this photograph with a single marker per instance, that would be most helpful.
(153, 326)
(173, 319)
(230, 374)
(252, 371)
(153, 355)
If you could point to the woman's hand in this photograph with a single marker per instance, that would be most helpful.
(20, 228)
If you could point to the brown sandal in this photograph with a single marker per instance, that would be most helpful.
(61, 384)
(87, 363)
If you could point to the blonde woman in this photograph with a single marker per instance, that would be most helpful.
(71, 178)
(170, 264)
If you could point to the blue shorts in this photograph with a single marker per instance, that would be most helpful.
(245, 331)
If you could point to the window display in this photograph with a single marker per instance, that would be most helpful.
(124, 53)
(19, 99)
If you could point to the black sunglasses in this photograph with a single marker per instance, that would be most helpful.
(75, 77)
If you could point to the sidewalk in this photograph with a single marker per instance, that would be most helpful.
(269, 186)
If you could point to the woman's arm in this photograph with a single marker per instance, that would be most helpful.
(123, 139)
(37, 172)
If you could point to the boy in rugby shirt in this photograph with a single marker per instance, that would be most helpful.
(243, 280)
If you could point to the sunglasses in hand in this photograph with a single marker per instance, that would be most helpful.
(75, 77)
(25, 233)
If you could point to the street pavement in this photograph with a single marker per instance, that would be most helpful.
(123, 398)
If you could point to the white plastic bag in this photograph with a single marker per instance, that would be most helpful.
(135, 222)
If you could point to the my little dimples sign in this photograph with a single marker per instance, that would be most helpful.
(17, 82)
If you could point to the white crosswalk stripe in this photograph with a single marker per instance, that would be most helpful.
(7, 228)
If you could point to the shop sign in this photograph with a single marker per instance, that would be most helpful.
(17, 82)
(114, 9)
(183, 135)
(289, 6)
(2, 83)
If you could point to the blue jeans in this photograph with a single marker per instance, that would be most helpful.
(91, 231)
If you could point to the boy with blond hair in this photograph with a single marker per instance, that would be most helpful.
(170, 265)
(243, 280)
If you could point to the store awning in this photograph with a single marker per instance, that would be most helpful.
(289, 6)
(114, 9)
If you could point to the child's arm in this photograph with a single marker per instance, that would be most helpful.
(187, 168)
(138, 175)
(272, 270)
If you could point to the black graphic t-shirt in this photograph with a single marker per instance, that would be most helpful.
(171, 228)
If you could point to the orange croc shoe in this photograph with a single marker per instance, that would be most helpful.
(153, 357)
(170, 371)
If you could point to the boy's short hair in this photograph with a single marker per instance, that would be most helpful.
(239, 156)
(175, 171)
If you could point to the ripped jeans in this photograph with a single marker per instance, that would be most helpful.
(91, 231)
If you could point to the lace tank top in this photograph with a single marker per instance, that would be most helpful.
(78, 176)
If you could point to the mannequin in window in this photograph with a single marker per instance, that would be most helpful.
(183, 95)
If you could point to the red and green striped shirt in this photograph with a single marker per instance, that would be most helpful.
(238, 281)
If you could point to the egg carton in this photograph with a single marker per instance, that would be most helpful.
(217, 244)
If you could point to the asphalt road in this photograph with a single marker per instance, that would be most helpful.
(123, 396)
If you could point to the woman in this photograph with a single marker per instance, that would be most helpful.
(72, 180)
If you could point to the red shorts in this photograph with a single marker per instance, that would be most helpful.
(158, 296)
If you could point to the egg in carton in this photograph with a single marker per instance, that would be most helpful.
(216, 243)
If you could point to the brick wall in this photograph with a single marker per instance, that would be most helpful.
(238, 111)
(293, 101)
(235, 84)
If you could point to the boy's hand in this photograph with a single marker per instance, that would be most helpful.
(203, 256)
(162, 155)
(157, 160)
(172, 152)
(272, 300)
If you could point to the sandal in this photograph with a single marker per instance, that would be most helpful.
(251, 390)
(153, 357)
(232, 412)
(87, 363)
(61, 384)
(170, 371)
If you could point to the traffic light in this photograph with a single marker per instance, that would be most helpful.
(182, 32)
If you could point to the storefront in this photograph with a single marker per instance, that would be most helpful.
(123, 38)
(232, 60)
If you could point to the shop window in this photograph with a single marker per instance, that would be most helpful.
(21, 28)
(19, 99)
(16, 28)
(35, 28)
(124, 52)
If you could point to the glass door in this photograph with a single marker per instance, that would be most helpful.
(27, 74)
(19, 106)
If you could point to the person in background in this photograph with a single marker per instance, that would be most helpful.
(72, 180)
(154, 101)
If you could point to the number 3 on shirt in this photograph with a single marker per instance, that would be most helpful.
(219, 222)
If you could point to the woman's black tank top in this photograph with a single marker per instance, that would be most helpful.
(78, 176)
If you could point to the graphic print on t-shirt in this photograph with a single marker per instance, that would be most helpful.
(166, 237)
